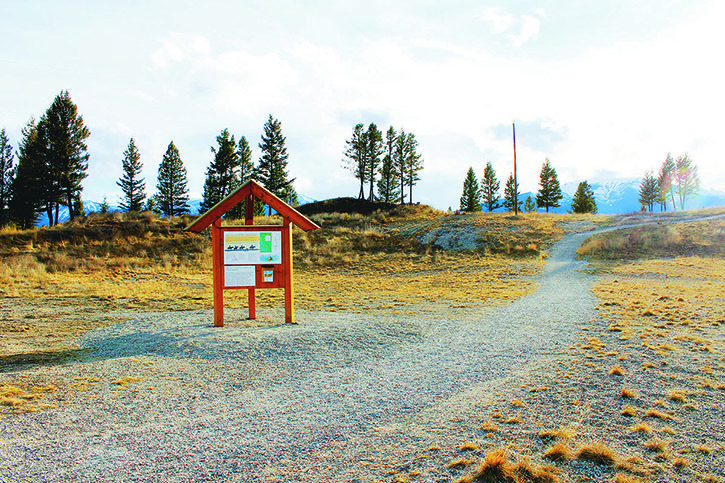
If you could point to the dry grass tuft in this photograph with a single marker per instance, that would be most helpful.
(469, 446)
(460, 462)
(513, 420)
(629, 411)
(641, 428)
(598, 453)
(678, 395)
(657, 445)
(654, 413)
(558, 452)
(490, 427)
(623, 478)
(616, 371)
(564, 433)
(126, 381)
(628, 393)
(495, 467)
(680, 462)
(527, 471)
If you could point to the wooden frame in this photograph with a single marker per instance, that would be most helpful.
(249, 192)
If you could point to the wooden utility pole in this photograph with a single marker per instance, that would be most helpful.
(516, 184)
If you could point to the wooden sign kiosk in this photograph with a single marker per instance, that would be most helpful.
(251, 257)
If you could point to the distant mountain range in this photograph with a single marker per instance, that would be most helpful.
(622, 196)
(612, 197)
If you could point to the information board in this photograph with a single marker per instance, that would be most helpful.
(240, 276)
(252, 247)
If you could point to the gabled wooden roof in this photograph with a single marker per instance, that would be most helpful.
(262, 194)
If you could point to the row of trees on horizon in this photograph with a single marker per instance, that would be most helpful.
(52, 162)
(475, 197)
(677, 180)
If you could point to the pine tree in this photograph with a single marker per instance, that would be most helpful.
(173, 195)
(246, 165)
(152, 205)
(26, 189)
(67, 156)
(222, 175)
(511, 194)
(105, 207)
(664, 180)
(583, 201)
(686, 180)
(489, 188)
(400, 166)
(549, 193)
(374, 149)
(413, 164)
(272, 166)
(387, 185)
(356, 154)
(7, 175)
(530, 205)
(245, 173)
(648, 191)
(471, 197)
(131, 183)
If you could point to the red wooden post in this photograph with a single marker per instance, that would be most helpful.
(249, 220)
(217, 251)
(289, 288)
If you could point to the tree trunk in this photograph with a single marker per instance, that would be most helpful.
(70, 204)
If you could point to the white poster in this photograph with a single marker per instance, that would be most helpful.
(252, 247)
(240, 276)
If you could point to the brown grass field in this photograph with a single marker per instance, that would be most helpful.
(636, 399)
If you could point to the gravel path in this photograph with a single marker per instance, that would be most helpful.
(320, 401)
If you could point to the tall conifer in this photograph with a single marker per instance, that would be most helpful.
(173, 195)
(471, 197)
(131, 183)
(511, 194)
(549, 193)
(222, 175)
(374, 148)
(387, 185)
(7, 174)
(583, 201)
(26, 188)
(272, 167)
(66, 151)
(489, 188)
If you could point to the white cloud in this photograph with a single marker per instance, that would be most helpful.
(518, 29)
(178, 47)
(529, 30)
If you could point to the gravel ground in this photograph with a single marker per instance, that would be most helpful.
(336, 398)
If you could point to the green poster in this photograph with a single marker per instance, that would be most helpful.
(265, 242)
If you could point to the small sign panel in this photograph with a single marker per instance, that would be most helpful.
(240, 276)
(268, 276)
(252, 247)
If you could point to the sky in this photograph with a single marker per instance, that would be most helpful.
(603, 89)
